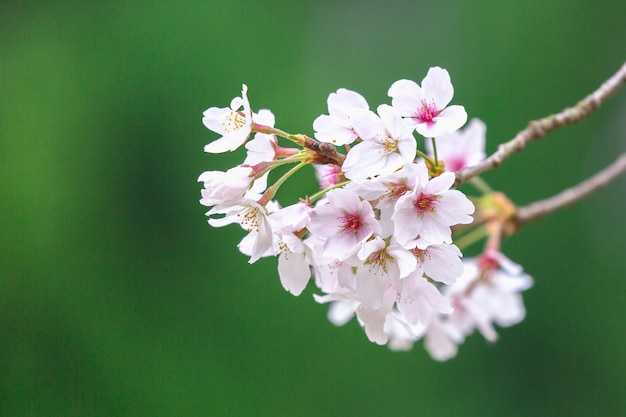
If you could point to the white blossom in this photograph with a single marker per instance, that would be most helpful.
(252, 217)
(225, 187)
(233, 124)
(426, 107)
(344, 106)
(387, 145)
(346, 222)
(430, 209)
(461, 149)
(376, 241)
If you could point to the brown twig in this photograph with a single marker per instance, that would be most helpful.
(571, 195)
(325, 153)
(539, 128)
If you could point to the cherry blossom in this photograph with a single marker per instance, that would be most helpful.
(328, 175)
(338, 126)
(430, 209)
(402, 335)
(293, 267)
(426, 107)
(346, 222)
(263, 147)
(382, 265)
(376, 239)
(481, 298)
(461, 149)
(233, 124)
(419, 299)
(252, 217)
(225, 187)
(440, 262)
(387, 145)
(386, 190)
(373, 320)
(442, 340)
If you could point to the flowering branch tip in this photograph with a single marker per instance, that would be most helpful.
(380, 238)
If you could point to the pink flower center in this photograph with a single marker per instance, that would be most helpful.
(351, 223)
(455, 163)
(457, 304)
(328, 175)
(426, 203)
(397, 190)
(420, 254)
(426, 113)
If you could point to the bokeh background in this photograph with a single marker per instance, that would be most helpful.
(116, 297)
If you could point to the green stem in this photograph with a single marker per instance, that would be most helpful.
(432, 140)
(472, 237)
(427, 158)
(481, 185)
(297, 139)
(271, 191)
(320, 193)
(268, 166)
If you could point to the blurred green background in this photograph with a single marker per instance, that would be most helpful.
(116, 297)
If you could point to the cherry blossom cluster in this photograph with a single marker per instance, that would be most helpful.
(377, 239)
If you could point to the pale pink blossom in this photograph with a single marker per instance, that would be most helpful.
(380, 248)
(481, 298)
(341, 312)
(345, 221)
(401, 333)
(426, 107)
(387, 145)
(225, 187)
(440, 262)
(419, 299)
(252, 217)
(233, 124)
(500, 294)
(386, 190)
(293, 267)
(382, 265)
(328, 175)
(373, 320)
(442, 340)
(430, 209)
(461, 149)
(262, 148)
(337, 126)
(327, 269)
(336, 280)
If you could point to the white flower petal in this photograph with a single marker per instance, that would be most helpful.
(438, 87)
(406, 96)
(294, 271)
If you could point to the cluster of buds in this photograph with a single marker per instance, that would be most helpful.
(377, 239)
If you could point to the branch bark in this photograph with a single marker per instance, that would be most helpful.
(571, 195)
(539, 128)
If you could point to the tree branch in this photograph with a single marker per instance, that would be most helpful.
(325, 153)
(571, 195)
(539, 128)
